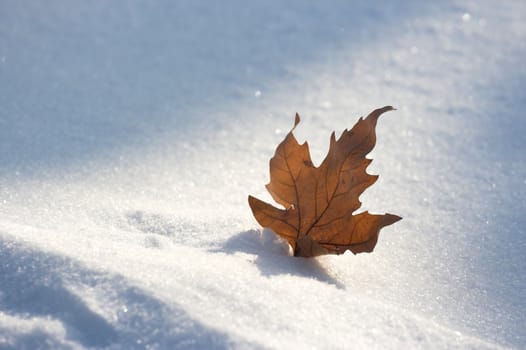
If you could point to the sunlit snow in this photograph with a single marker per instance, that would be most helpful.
(131, 134)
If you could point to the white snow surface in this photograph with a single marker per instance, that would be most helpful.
(132, 132)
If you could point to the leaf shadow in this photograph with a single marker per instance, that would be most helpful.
(273, 256)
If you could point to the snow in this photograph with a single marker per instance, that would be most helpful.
(132, 133)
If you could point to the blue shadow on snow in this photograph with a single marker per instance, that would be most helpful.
(35, 284)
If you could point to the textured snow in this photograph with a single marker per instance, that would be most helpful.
(131, 134)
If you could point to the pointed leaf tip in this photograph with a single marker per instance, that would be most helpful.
(390, 219)
(296, 119)
(374, 115)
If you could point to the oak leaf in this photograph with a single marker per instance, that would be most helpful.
(319, 201)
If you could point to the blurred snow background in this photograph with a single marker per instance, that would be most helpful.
(132, 133)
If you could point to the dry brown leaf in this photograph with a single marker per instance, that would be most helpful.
(319, 201)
